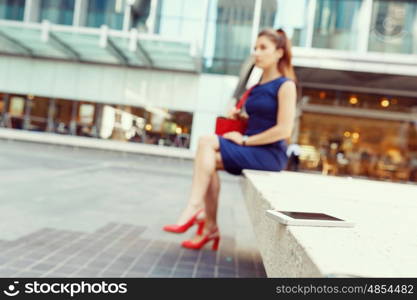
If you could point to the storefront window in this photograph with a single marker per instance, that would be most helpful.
(360, 101)
(16, 111)
(110, 13)
(38, 113)
(340, 142)
(62, 114)
(57, 11)
(336, 24)
(149, 126)
(12, 9)
(393, 27)
(86, 119)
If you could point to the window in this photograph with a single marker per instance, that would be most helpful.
(228, 37)
(394, 27)
(12, 9)
(57, 11)
(336, 24)
(288, 15)
(109, 12)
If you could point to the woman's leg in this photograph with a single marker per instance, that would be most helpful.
(204, 168)
(211, 201)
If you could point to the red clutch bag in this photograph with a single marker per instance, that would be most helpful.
(224, 124)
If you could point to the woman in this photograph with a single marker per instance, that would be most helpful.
(271, 110)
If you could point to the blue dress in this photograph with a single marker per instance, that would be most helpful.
(262, 108)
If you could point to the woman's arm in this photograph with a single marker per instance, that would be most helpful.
(287, 97)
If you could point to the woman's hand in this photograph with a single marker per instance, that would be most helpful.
(233, 113)
(234, 136)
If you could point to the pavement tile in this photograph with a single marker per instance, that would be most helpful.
(42, 267)
(140, 268)
(38, 255)
(183, 273)
(66, 270)
(136, 275)
(98, 264)
(112, 273)
(78, 260)
(8, 272)
(28, 274)
(86, 272)
(22, 263)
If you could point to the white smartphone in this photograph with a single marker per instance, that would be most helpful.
(299, 218)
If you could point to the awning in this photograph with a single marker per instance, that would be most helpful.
(101, 45)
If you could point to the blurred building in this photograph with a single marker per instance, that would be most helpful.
(160, 71)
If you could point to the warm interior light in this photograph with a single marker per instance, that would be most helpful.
(355, 135)
(178, 130)
(347, 134)
(322, 95)
(148, 127)
(385, 102)
(353, 100)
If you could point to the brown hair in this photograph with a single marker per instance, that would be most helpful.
(279, 38)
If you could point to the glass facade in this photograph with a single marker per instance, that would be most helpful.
(336, 24)
(394, 27)
(57, 11)
(225, 36)
(180, 18)
(150, 125)
(288, 15)
(109, 12)
(223, 29)
(12, 9)
(228, 38)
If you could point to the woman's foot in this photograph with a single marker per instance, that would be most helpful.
(197, 217)
(199, 240)
(189, 212)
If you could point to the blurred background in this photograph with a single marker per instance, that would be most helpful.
(160, 71)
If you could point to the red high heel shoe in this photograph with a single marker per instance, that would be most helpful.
(183, 228)
(211, 236)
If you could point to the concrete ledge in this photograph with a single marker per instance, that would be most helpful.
(85, 142)
(382, 244)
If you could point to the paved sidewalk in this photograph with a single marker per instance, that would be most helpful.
(70, 212)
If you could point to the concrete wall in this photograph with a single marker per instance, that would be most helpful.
(205, 95)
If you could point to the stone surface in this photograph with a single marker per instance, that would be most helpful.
(383, 242)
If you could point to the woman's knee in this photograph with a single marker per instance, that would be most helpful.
(209, 141)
